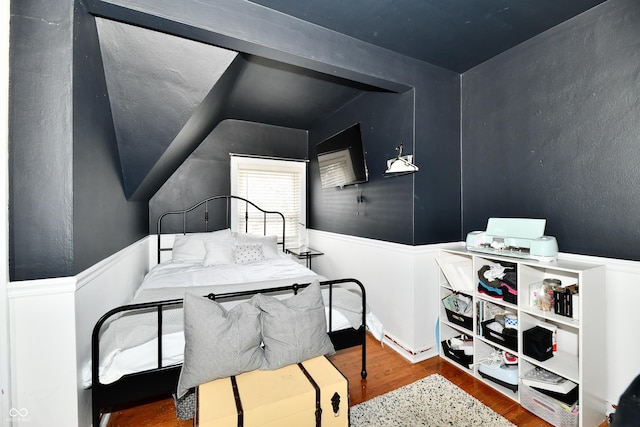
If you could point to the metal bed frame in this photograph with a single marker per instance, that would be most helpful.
(163, 379)
(228, 199)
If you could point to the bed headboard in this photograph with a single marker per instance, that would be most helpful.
(200, 214)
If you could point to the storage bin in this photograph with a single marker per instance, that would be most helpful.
(456, 317)
(537, 342)
(548, 408)
(457, 356)
(459, 319)
(506, 340)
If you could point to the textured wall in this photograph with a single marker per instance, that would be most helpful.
(429, 208)
(66, 186)
(437, 205)
(104, 221)
(412, 209)
(551, 129)
(67, 206)
(207, 170)
(40, 140)
(382, 207)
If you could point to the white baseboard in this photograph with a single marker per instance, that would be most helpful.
(400, 281)
(104, 421)
(413, 356)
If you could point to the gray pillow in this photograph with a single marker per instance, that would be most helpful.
(218, 343)
(295, 329)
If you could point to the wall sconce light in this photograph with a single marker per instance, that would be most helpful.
(401, 165)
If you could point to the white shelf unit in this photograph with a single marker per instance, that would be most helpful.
(580, 356)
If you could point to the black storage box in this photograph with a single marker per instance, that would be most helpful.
(507, 340)
(459, 319)
(537, 342)
(457, 356)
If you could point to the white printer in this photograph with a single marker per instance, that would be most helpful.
(515, 237)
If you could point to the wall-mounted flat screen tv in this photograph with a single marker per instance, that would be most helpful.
(341, 159)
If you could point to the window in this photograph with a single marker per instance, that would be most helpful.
(278, 185)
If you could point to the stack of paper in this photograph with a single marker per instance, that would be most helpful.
(457, 271)
(544, 380)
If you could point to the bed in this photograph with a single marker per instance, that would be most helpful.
(137, 349)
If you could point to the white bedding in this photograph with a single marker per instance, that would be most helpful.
(178, 275)
(129, 344)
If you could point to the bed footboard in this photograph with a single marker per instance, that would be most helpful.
(162, 380)
(346, 338)
(136, 386)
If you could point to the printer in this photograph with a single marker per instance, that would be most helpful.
(515, 237)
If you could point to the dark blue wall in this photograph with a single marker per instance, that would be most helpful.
(386, 120)
(411, 209)
(68, 210)
(548, 129)
(207, 170)
(67, 206)
(437, 204)
(551, 129)
(40, 140)
(427, 205)
(104, 221)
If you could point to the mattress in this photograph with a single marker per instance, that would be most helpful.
(128, 344)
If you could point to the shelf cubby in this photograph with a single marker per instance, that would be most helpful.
(580, 351)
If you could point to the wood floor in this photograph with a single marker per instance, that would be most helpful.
(386, 371)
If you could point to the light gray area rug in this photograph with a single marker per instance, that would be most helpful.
(432, 401)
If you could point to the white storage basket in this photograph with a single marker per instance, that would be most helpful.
(547, 408)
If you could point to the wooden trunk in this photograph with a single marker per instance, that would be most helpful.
(311, 393)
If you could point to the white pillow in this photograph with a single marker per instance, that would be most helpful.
(247, 253)
(269, 243)
(190, 247)
(218, 251)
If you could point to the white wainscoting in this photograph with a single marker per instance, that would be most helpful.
(43, 352)
(51, 320)
(108, 284)
(399, 280)
(622, 307)
(51, 323)
(402, 290)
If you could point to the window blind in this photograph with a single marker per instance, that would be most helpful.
(275, 185)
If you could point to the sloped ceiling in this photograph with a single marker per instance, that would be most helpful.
(155, 83)
(167, 93)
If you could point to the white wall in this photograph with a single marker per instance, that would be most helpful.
(51, 322)
(42, 343)
(623, 335)
(108, 284)
(399, 280)
(402, 290)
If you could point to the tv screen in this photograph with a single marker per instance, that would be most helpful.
(341, 158)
